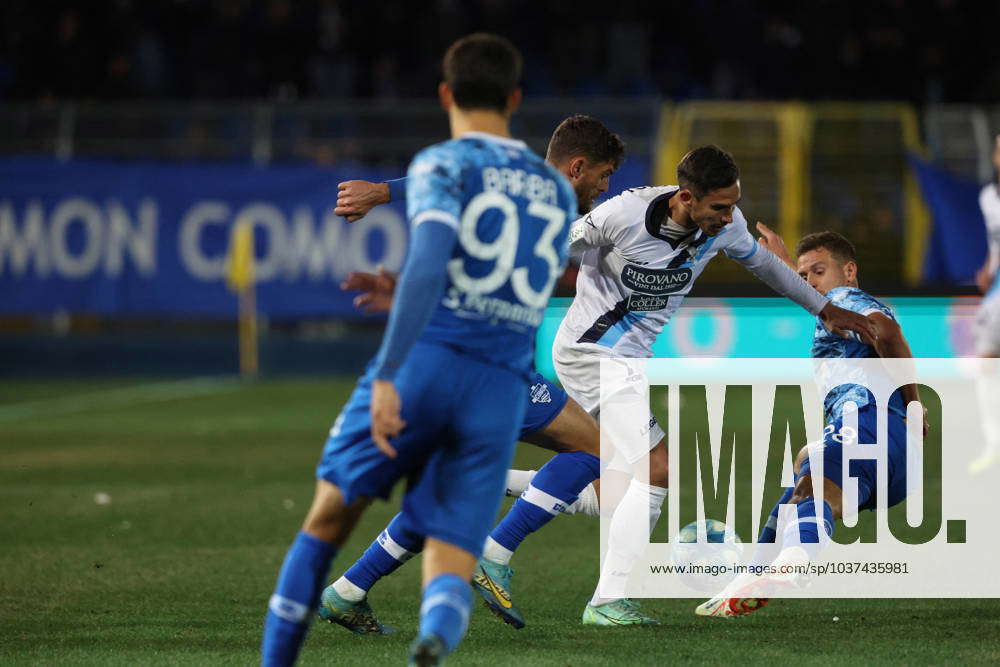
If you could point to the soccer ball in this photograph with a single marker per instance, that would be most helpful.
(710, 564)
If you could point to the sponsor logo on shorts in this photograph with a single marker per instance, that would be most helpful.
(540, 393)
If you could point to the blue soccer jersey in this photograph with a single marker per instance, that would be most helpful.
(490, 235)
(850, 385)
(512, 213)
(827, 345)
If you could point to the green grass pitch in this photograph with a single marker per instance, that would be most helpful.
(208, 482)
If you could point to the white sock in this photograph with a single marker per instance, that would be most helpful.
(587, 503)
(496, 552)
(518, 481)
(348, 590)
(631, 526)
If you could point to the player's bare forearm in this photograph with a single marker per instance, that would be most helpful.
(891, 344)
(985, 277)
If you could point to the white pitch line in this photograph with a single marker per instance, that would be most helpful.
(116, 398)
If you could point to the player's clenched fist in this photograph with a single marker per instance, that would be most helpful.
(356, 198)
(386, 421)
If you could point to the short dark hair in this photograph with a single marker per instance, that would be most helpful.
(585, 136)
(838, 246)
(707, 169)
(482, 71)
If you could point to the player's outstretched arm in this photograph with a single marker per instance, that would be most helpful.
(841, 322)
(779, 274)
(356, 198)
(377, 289)
(890, 343)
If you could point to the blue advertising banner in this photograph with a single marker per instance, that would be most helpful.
(142, 238)
(114, 238)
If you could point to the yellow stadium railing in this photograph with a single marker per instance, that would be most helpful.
(780, 138)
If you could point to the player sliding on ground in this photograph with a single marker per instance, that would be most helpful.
(490, 221)
(640, 254)
(827, 261)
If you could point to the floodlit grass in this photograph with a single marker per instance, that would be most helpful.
(206, 492)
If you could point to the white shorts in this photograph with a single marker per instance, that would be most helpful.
(579, 371)
(988, 326)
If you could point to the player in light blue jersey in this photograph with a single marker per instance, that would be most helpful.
(826, 260)
(441, 403)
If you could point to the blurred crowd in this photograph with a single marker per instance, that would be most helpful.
(917, 50)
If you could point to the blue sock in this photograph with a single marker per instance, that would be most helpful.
(445, 609)
(556, 486)
(805, 531)
(766, 549)
(770, 529)
(394, 546)
(295, 597)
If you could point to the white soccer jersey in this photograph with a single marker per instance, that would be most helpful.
(989, 202)
(633, 276)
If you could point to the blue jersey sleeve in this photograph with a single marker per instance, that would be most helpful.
(434, 186)
(397, 189)
(420, 287)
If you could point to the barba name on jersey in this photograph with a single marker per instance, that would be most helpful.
(521, 183)
(511, 213)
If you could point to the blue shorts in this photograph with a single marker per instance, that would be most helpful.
(865, 470)
(462, 419)
(545, 401)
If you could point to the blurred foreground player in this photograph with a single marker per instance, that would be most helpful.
(587, 153)
(988, 325)
(826, 260)
(447, 385)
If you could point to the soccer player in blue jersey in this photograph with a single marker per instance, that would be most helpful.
(587, 153)
(826, 260)
(441, 403)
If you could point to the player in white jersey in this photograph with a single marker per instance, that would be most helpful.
(988, 324)
(640, 253)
